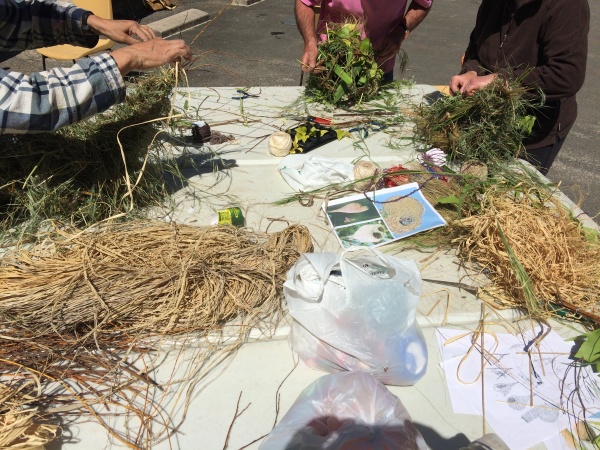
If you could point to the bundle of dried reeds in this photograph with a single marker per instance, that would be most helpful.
(156, 277)
(78, 316)
(83, 173)
(532, 249)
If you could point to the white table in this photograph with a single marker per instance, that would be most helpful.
(257, 371)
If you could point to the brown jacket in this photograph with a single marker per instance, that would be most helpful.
(547, 36)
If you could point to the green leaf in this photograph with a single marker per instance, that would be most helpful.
(341, 133)
(527, 123)
(449, 200)
(339, 92)
(590, 349)
(591, 234)
(343, 75)
(186, 105)
(365, 46)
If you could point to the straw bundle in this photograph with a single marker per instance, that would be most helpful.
(534, 252)
(20, 424)
(156, 277)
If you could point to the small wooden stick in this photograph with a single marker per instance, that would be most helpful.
(483, 365)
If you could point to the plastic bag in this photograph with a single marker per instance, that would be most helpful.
(345, 411)
(307, 172)
(357, 312)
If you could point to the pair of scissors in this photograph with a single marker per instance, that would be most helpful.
(243, 93)
(374, 125)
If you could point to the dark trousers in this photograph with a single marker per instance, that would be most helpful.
(543, 157)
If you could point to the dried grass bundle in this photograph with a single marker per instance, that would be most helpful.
(487, 126)
(154, 277)
(78, 173)
(83, 318)
(534, 252)
(21, 427)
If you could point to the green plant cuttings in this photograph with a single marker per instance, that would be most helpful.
(77, 175)
(487, 126)
(349, 73)
(308, 136)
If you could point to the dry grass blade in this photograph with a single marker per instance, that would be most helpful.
(21, 426)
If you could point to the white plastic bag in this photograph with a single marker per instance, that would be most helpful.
(357, 312)
(305, 172)
(345, 411)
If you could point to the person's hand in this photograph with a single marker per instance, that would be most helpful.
(476, 83)
(391, 43)
(309, 57)
(458, 82)
(150, 54)
(121, 31)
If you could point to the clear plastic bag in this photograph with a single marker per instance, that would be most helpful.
(357, 312)
(345, 411)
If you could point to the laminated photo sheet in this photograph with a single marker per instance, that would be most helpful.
(528, 398)
(382, 216)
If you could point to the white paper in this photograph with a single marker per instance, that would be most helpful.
(529, 398)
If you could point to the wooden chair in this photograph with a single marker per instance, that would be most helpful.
(101, 8)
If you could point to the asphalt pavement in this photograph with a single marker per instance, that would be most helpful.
(259, 45)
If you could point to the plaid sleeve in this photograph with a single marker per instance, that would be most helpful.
(46, 101)
(26, 24)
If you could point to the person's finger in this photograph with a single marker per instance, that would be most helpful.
(454, 84)
(144, 32)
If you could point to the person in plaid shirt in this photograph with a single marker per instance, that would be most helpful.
(46, 101)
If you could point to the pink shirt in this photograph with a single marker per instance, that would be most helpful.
(381, 16)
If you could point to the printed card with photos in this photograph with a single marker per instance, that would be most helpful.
(386, 215)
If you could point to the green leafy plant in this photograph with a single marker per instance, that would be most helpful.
(347, 71)
(487, 126)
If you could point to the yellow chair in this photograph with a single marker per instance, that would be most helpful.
(101, 8)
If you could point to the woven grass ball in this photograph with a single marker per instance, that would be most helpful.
(280, 143)
(475, 169)
(365, 169)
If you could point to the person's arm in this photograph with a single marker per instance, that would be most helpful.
(305, 20)
(37, 23)
(564, 46)
(471, 66)
(416, 13)
(46, 101)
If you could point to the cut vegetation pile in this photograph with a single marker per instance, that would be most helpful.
(487, 126)
(346, 71)
(85, 316)
(536, 255)
(157, 278)
(88, 171)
